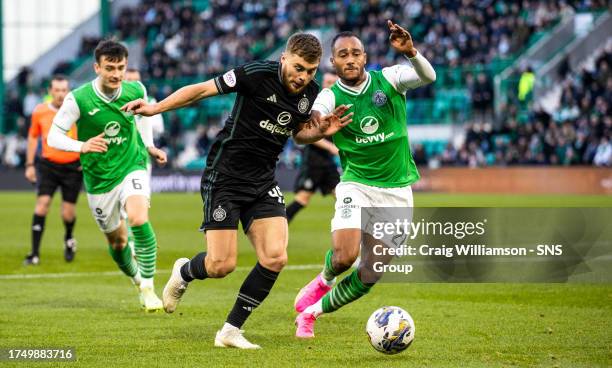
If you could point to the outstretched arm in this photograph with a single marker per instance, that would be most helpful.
(183, 97)
(404, 77)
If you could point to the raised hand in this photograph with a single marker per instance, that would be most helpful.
(401, 40)
(95, 144)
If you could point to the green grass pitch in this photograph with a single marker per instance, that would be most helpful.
(88, 305)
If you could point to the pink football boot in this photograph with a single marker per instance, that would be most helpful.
(305, 325)
(311, 293)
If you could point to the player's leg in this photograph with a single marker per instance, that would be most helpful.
(300, 200)
(352, 286)
(346, 239)
(38, 227)
(121, 253)
(71, 187)
(135, 199)
(265, 223)
(346, 236)
(320, 295)
(145, 248)
(269, 237)
(220, 222)
(145, 241)
(47, 184)
(69, 219)
(359, 282)
(107, 211)
(218, 261)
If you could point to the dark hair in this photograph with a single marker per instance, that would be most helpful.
(344, 34)
(306, 46)
(113, 50)
(57, 77)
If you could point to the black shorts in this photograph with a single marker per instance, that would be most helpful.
(313, 178)
(68, 177)
(228, 200)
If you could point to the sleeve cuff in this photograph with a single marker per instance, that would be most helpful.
(414, 57)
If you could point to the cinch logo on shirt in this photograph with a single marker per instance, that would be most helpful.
(275, 129)
(111, 130)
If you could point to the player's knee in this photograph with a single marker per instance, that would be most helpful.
(137, 220)
(68, 214)
(41, 210)
(42, 207)
(219, 269)
(274, 263)
(119, 243)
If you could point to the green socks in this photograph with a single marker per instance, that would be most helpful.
(328, 269)
(127, 264)
(346, 291)
(145, 246)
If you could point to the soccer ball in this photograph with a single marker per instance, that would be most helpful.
(390, 330)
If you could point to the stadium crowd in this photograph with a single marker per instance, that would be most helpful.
(184, 41)
(578, 132)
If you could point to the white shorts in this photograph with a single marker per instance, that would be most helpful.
(351, 197)
(108, 208)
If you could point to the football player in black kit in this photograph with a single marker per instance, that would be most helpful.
(273, 103)
(319, 170)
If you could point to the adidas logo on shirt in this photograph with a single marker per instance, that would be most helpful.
(272, 98)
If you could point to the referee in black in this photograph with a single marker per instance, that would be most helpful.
(273, 102)
(56, 170)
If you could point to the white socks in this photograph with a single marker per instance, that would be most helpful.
(146, 283)
(137, 280)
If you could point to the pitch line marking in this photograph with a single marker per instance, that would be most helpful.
(119, 273)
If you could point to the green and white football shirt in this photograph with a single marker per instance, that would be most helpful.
(374, 147)
(96, 113)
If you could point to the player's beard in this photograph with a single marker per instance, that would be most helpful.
(353, 77)
(289, 83)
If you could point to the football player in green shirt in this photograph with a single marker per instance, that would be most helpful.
(114, 159)
(378, 168)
